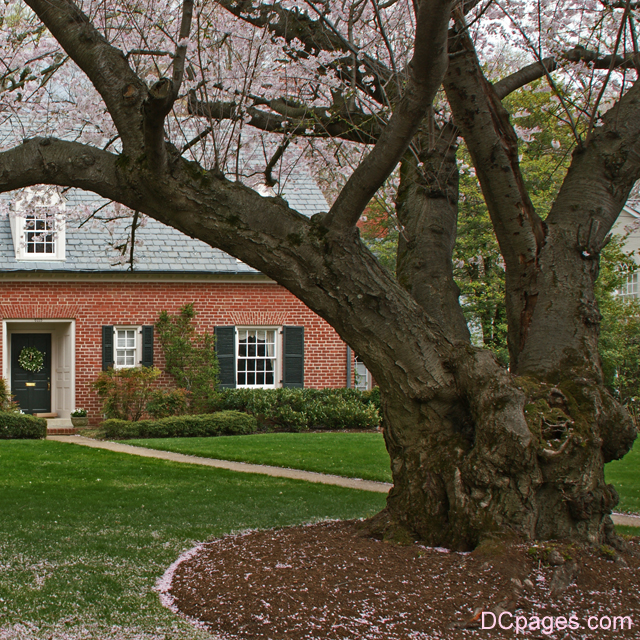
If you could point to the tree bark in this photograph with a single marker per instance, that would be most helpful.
(427, 208)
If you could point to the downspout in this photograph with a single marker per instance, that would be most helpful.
(348, 367)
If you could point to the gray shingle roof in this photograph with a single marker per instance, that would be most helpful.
(162, 249)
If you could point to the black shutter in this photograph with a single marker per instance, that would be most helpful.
(226, 352)
(107, 347)
(147, 346)
(293, 357)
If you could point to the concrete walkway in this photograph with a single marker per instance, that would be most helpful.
(277, 472)
(243, 467)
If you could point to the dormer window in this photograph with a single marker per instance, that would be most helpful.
(37, 224)
(39, 234)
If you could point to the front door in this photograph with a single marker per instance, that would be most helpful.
(31, 386)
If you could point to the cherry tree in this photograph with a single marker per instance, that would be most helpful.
(177, 110)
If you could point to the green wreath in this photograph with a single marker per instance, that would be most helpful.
(30, 359)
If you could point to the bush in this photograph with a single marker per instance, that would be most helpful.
(303, 409)
(190, 357)
(222, 423)
(21, 426)
(7, 402)
(125, 392)
(168, 402)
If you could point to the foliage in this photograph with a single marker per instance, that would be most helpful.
(126, 392)
(31, 359)
(168, 402)
(222, 423)
(303, 409)
(353, 455)
(190, 357)
(619, 342)
(79, 413)
(21, 426)
(7, 403)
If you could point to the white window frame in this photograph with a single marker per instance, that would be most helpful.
(277, 357)
(45, 197)
(362, 376)
(137, 349)
(631, 286)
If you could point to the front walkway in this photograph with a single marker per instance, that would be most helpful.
(277, 472)
(243, 467)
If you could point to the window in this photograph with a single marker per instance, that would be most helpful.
(362, 375)
(260, 357)
(126, 348)
(256, 358)
(39, 234)
(37, 226)
(630, 287)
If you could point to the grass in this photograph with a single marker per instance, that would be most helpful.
(624, 475)
(85, 533)
(354, 455)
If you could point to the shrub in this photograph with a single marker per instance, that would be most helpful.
(190, 357)
(125, 392)
(302, 409)
(168, 402)
(222, 423)
(19, 425)
(6, 399)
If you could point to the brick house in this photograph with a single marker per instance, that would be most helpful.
(66, 290)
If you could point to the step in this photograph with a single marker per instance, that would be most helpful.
(60, 427)
(62, 431)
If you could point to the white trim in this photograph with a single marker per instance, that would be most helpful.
(137, 330)
(32, 199)
(277, 373)
(20, 243)
(137, 276)
(40, 326)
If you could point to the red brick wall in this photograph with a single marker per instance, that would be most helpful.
(93, 304)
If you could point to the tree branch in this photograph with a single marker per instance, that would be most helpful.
(295, 120)
(105, 65)
(427, 68)
(59, 162)
(524, 76)
(538, 70)
(315, 36)
(601, 177)
(268, 178)
(156, 107)
(493, 145)
(268, 235)
(181, 50)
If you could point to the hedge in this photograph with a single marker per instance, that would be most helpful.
(303, 409)
(21, 426)
(222, 423)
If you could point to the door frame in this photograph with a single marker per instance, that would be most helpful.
(41, 325)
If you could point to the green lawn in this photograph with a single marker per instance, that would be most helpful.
(624, 475)
(85, 533)
(355, 455)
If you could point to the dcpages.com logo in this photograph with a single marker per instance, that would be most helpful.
(548, 624)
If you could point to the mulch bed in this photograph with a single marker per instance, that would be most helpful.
(326, 581)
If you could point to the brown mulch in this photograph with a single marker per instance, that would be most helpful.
(326, 581)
